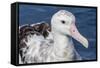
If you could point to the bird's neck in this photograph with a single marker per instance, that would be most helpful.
(63, 46)
(61, 41)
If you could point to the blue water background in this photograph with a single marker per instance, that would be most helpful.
(85, 21)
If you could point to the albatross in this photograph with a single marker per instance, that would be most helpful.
(41, 42)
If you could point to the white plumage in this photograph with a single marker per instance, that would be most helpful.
(42, 43)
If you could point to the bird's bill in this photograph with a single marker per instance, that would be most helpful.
(76, 35)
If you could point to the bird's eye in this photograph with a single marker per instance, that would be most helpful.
(63, 21)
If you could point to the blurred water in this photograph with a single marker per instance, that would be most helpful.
(85, 21)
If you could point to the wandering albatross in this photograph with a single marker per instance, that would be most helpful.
(44, 43)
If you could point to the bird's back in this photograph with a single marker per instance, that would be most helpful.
(35, 44)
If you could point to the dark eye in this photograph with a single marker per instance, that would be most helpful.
(63, 21)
